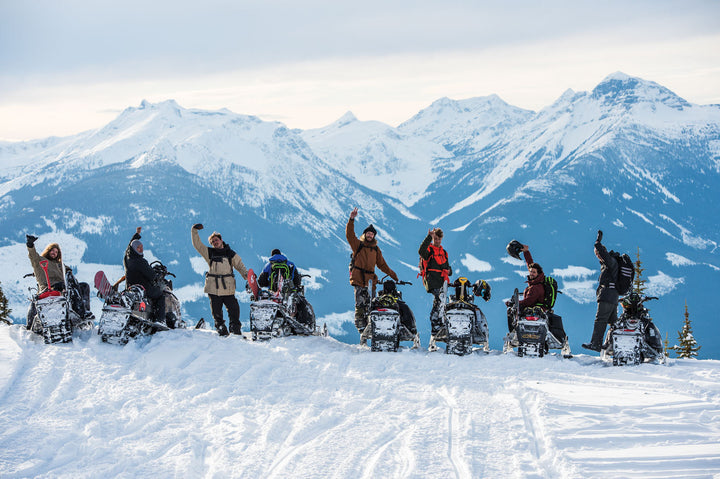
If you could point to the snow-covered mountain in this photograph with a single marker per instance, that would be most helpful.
(629, 157)
(192, 404)
(380, 157)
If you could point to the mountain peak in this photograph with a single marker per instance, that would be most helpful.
(620, 88)
(346, 119)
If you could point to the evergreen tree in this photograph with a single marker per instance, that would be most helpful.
(639, 282)
(4, 309)
(688, 347)
(666, 345)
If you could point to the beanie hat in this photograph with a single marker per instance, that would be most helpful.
(275, 251)
(136, 244)
(370, 228)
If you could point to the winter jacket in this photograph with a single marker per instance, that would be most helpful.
(220, 279)
(366, 258)
(437, 272)
(54, 266)
(139, 271)
(264, 278)
(534, 294)
(606, 291)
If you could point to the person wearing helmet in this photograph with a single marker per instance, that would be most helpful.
(607, 295)
(365, 257)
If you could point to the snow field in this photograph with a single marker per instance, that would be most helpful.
(188, 403)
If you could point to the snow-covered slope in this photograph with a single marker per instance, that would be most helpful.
(379, 157)
(191, 404)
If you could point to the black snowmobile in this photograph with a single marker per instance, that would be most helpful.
(390, 320)
(633, 338)
(54, 315)
(284, 312)
(128, 314)
(532, 333)
(463, 323)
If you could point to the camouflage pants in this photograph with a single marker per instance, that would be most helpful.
(438, 310)
(362, 306)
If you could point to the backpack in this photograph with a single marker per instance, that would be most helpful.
(440, 256)
(626, 273)
(278, 268)
(551, 291)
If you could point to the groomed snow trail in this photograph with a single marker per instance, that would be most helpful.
(192, 404)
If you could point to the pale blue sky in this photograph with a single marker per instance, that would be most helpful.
(67, 66)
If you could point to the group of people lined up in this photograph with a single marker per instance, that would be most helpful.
(367, 255)
(222, 260)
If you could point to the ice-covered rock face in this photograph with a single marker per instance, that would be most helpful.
(644, 170)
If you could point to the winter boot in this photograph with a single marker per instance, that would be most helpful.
(416, 341)
(222, 330)
(566, 353)
(432, 346)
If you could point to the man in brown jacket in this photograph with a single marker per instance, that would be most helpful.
(220, 279)
(366, 255)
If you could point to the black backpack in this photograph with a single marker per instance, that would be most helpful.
(626, 273)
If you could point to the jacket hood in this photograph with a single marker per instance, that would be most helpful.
(278, 257)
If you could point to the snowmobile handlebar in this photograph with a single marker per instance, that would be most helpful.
(385, 278)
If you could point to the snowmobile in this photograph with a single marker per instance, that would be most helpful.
(633, 338)
(284, 312)
(385, 328)
(531, 334)
(463, 323)
(127, 314)
(51, 314)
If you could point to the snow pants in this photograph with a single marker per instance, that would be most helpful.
(362, 307)
(231, 304)
(606, 315)
(436, 311)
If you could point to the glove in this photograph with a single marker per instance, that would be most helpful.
(30, 240)
(198, 226)
(508, 303)
(599, 236)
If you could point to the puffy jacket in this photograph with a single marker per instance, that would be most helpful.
(220, 279)
(139, 271)
(366, 258)
(535, 291)
(434, 277)
(606, 291)
(54, 266)
(264, 278)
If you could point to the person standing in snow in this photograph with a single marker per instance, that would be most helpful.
(139, 271)
(220, 279)
(365, 256)
(435, 271)
(606, 294)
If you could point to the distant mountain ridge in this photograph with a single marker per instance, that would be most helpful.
(630, 157)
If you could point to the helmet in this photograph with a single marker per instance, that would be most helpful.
(514, 248)
(389, 287)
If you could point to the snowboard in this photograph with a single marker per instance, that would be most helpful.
(102, 285)
(252, 283)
